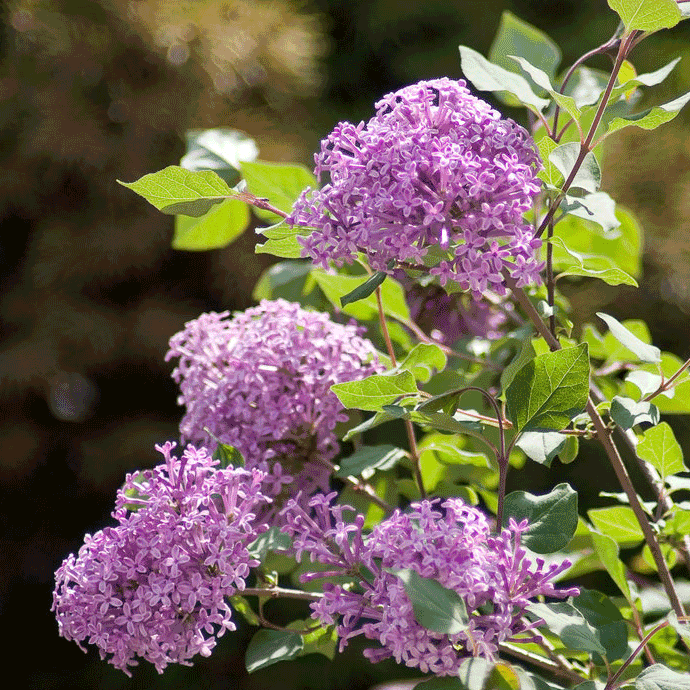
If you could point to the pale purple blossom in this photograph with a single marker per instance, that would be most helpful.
(260, 381)
(437, 168)
(449, 542)
(155, 586)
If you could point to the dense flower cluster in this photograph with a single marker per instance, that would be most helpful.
(448, 542)
(260, 381)
(155, 585)
(435, 167)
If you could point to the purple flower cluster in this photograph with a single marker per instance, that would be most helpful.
(449, 317)
(155, 586)
(435, 168)
(449, 543)
(260, 381)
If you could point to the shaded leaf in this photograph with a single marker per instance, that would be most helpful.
(588, 176)
(552, 517)
(627, 413)
(569, 624)
(268, 647)
(436, 608)
(364, 290)
(541, 446)
(660, 677)
(597, 207)
(381, 457)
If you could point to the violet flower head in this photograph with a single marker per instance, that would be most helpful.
(438, 168)
(260, 381)
(155, 586)
(449, 542)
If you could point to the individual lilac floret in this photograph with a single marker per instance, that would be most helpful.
(155, 586)
(260, 381)
(448, 542)
(435, 167)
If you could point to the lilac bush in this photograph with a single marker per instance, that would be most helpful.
(155, 585)
(449, 542)
(260, 382)
(435, 168)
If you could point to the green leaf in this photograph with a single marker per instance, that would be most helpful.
(373, 392)
(569, 624)
(647, 353)
(280, 183)
(364, 290)
(241, 605)
(369, 458)
(268, 647)
(590, 266)
(622, 246)
(541, 446)
(423, 359)
(458, 423)
(676, 400)
(371, 423)
(442, 683)
(550, 390)
(607, 550)
(284, 279)
(526, 354)
(619, 523)
(627, 413)
(570, 450)
(175, 190)
(598, 208)
(648, 79)
(447, 450)
(552, 518)
(285, 248)
(320, 641)
(550, 173)
(271, 540)
(660, 677)
(540, 78)
(660, 448)
(646, 15)
(588, 176)
(220, 149)
(228, 455)
(651, 118)
(486, 76)
(436, 608)
(392, 296)
(603, 615)
(219, 227)
(516, 37)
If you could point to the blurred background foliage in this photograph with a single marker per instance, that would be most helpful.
(90, 292)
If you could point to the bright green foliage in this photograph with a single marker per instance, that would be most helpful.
(648, 79)
(228, 456)
(660, 448)
(373, 392)
(281, 184)
(588, 175)
(436, 608)
(268, 647)
(282, 241)
(619, 523)
(423, 359)
(646, 15)
(550, 390)
(590, 266)
(550, 174)
(651, 118)
(217, 228)
(552, 517)
(175, 190)
(607, 550)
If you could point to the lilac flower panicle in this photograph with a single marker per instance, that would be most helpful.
(435, 167)
(260, 381)
(155, 586)
(449, 542)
